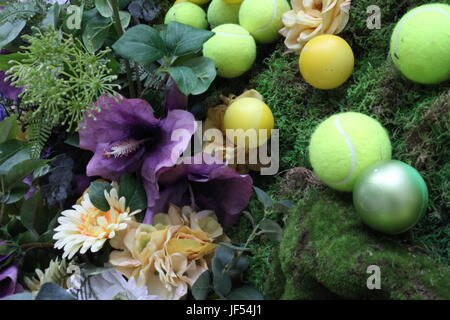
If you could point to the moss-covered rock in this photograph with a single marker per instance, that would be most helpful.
(326, 250)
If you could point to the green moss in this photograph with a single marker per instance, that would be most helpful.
(326, 250)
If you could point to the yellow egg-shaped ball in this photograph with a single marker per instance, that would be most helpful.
(326, 61)
(245, 114)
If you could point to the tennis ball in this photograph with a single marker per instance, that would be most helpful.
(420, 44)
(221, 12)
(233, 1)
(232, 49)
(187, 13)
(194, 1)
(344, 145)
(326, 61)
(245, 114)
(262, 18)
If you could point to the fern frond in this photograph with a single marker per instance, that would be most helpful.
(38, 134)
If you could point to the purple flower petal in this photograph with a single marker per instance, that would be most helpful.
(8, 281)
(210, 186)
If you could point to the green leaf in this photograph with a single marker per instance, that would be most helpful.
(7, 249)
(97, 194)
(204, 73)
(21, 170)
(96, 271)
(263, 197)
(51, 291)
(8, 128)
(52, 16)
(33, 214)
(271, 229)
(10, 148)
(283, 205)
(133, 191)
(28, 237)
(73, 140)
(10, 30)
(184, 77)
(222, 280)
(202, 286)
(125, 18)
(233, 247)
(95, 34)
(181, 39)
(17, 193)
(6, 58)
(104, 8)
(245, 293)
(11, 161)
(140, 43)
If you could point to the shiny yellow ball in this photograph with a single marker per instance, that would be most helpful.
(248, 114)
(326, 61)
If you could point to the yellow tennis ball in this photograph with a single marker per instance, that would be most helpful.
(249, 114)
(262, 18)
(232, 49)
(233, 1)
(344, 145)
(326, 61)
(187, 13)
(221, 12)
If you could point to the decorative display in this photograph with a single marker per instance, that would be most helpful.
(344, 145)
(232, 49)
(309, 19)
(326, 62)
(420, 44)
(390, 196)
(262, 18)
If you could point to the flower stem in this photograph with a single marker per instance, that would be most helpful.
(119, 30)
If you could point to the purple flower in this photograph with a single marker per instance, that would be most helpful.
(6, 90)
(8, 279)
(175, 99)
(214, 187)
(125, 134)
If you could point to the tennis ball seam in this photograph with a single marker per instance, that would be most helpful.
(351, 148)
(411, 15)
(274, 15)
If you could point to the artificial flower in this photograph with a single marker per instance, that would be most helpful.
(109, 285)
(86, 227)
(310, 18)
(8, 281)
(125, 133)
(205, 186)
(57, 272)
(169, 255)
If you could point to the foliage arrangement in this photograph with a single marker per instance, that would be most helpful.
(98, 201)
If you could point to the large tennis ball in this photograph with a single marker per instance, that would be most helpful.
(232, 49)
(249, 114)
(344, 145)
(420, 44)
(187, 13)
(262, 18)
(221, 12)
(326, 61)
(193, 1)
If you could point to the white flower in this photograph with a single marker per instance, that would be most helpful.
(57, 272)
(85, 226)
(111, 285)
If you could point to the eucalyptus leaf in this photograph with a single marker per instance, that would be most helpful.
(284, 205)
(125, 18)
(52, 16)
(104, 8)
(97, 194)
(140, 43)
(271, 229)
(10, 30)
(202, 286)
(263, 197)
(233, 247)
(221, 281)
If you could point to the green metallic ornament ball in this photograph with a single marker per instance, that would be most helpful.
(390, 196)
